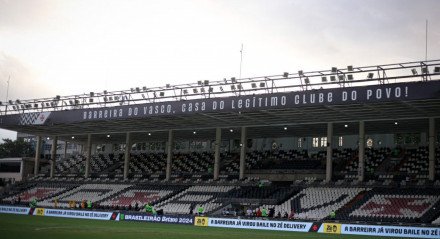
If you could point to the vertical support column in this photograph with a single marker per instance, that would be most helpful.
(361, 172)
(37, 155)
(170, 147)
(431, 139)
(243, 152)
(329, 163)
(53, 155)
(127, 154)
(65, 149)
(88, 156)
(218, 140)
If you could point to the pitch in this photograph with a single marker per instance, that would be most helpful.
(19, 226)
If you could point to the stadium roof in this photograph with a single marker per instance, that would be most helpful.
(304, 109)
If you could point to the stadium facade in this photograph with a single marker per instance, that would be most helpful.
(364, 128)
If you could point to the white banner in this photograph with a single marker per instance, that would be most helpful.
(78, 214)
(260, 224)
(14, 210)
(391, 231)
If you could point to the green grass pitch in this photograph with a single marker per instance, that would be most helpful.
(22, 226)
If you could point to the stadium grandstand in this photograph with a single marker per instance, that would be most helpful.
(359, 142)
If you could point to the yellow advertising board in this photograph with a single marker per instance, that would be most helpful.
(39, 211)
(333, 228)
(201, 221)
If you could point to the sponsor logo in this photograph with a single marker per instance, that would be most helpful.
(201, 221)
(332, 228)
(157, 218)
(39, 211)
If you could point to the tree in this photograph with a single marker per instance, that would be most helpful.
(16, 148)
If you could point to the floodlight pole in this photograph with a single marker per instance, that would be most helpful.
(7, 89)
(426, 41)
(241, 59)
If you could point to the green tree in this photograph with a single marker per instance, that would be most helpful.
(16, 148)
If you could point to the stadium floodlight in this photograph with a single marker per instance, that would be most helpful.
(286, 74)
(334, 69)
(425, 70)
(149, 134)
(414, 72)
(206, 82)
(108, 136)
(195, 91)
(350, 77)
(300, 72)
(346, 125)
(233, 80)
(262, 84)
(307, 81)
(285, 128)
(332, 78)
(254, 85)
(437, 70)
(370, 75)
(73, 137)
(161, 94)
(231, 130)
(194, 132)
(350, 68)
(324, 79)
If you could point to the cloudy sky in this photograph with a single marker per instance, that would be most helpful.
(61, 47)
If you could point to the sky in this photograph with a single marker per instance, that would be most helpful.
(67, 47)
